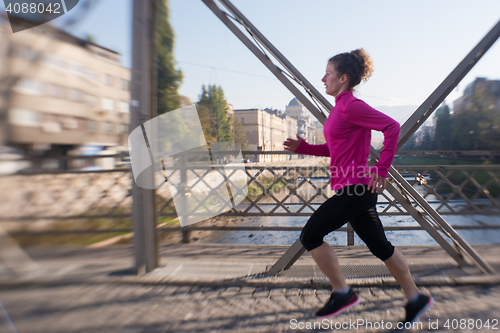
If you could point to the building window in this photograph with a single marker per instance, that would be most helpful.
(23, 117)
(108, 104)
(108, 127)
(124, 107)
(29, 86)
(91, 100)
(55, 91)
(108, 80)
(242, 120)
(125, 84)
(77, 95)
(92, 75)
(91, 126)
(56, 62)
(78, 68)
(53, 61)
(124, 128)
(70, 123)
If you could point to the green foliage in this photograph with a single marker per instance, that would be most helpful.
(168, 77)
(436, 160)
(443, 128)
(477, 127)
(177, 126)
(473, 127)
(109, 223)
(269, 183)
(427, 142)
(409, 145)
(213, 115)
(481, 177)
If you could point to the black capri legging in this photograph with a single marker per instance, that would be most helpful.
(355, 204)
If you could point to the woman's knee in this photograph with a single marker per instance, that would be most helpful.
(310, 240)
(382, 251)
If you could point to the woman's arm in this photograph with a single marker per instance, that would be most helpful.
(300, 146)
(361, 114)
(315, 150)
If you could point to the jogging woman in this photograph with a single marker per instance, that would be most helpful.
(348, 134)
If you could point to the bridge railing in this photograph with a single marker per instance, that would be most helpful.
(42, 197)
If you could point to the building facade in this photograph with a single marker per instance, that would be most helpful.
(266, 130)
(64, 93)
(305, 124)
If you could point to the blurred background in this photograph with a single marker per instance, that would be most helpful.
(65, 103)
(64, 94)
(66, 111)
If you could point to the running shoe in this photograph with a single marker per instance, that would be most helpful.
(338, 303)
(415, 309)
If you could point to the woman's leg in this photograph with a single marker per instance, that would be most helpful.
(331, 215)
(369, 228)
(398, 267)
(327, 261)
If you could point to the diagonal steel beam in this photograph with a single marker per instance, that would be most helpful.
(278, 56)
(444, 226)
(424, 111)
(296, 250)
(265, 60)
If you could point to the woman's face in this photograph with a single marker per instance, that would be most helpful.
(334, 83)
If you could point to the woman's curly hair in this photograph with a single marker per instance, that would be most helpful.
(357, 65)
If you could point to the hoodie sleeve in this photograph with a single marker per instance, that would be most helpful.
(361, 114)
(316, 150)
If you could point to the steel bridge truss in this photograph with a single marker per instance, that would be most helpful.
(398, 187)
(294, 190)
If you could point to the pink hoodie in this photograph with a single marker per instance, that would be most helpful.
(348, 134)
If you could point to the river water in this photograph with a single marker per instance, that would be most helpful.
(397, 237)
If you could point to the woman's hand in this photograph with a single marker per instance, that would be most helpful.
(291, 144)
(377, 182)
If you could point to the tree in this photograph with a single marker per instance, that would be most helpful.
(486, 107)
(443, 128)
(213, 114)
(168, 77)
(477, 126)
(410, 144)
(464, 131)
(427, 142)
(90, 38)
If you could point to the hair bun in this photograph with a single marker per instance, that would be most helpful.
(356, 64)
(365, 63)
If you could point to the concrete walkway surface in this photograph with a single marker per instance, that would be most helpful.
(219, 288)
(231, 265)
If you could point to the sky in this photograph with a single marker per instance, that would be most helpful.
(414, 45)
